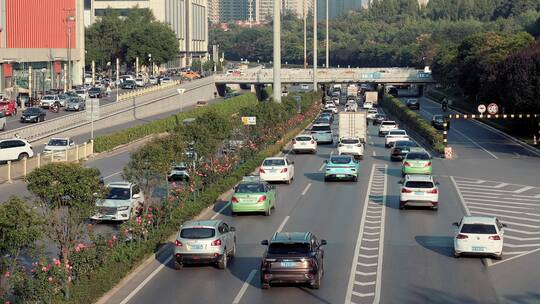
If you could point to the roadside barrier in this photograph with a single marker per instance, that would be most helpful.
(19, 169)
(146, 90)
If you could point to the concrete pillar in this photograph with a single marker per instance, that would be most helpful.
(221, 89)
(420, 90)
(259, 92)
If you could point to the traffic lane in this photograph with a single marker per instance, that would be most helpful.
(332, 211)
(251, 229)
(418, 258)
(493, 143)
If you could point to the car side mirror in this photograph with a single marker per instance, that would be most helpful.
(136, 196)
(400, 182)
(326, 161)
(323, 242)
(264, 242)
(232, 229)
(455, 224)
(292, 163)
(504, 225)
(437, 183)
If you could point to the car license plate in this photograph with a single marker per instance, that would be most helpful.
(303, 143)
(287, 264)
(418, 193)
(340, 175)
(196, 246)
(272, 171)
(478, 248)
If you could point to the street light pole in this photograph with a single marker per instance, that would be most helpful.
(305, 34)
(327, 38)
(315, 45)
(277, 51)
(70, 19)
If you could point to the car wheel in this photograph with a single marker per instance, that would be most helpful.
(233, 251)
(317, 283)
(233, 213)
(456, 255)
(36, 120)
(3, 127)
(435, 208)
(222, 264)
(265, 285)
(401, 206)
(499, 257)
(178, 265)
(325, 179)
(268, 212)
(23, 156)
(355, 179)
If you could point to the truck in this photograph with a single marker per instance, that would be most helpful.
(352, 90)
(352, 133)
(372, 96)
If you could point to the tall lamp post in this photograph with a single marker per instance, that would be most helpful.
(305, 34)
(70, 19)
(277, 51)
(151, 64)
(315, 45)
(327, 38)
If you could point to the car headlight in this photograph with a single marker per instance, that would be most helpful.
(123, 208)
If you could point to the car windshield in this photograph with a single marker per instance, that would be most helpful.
(288, 248)
(273, 162)
(321, 128)
(32, 111)
(197, 233)
(118, 193)
(340, 160)
(372, 111)
(398, 132)
(47, 97)
(418, 156)
(303, 138)
(438, 118)
(405, 143)
(79, 91)
(58, 142)
(419, 184)
(94, 90)
(250, 188)
(388, 123)
(323, 120)
(479, 229)
(349, 141)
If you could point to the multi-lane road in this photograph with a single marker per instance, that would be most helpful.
(376, 252)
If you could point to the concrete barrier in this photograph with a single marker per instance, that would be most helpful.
(146, 90)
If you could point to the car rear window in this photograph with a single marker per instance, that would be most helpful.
(288, 248)
(417, 156)
(407, 143)
(419, 184)
(349, 141)
(320, 128)
(479, 229)
(398, 132)
(340, 160)
(303, 138)
(273, 162)
(388, 123)
(249, 188)
(197, 233)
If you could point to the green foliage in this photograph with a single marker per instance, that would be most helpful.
(137, 35)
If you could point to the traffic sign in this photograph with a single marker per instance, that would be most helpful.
(249, 120)
(481, 108)
(181, 91)
(492, 108)
(92, 108)
(221, 59)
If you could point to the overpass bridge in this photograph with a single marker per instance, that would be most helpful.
(260, 76)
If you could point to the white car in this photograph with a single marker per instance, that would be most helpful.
(15, 149)
(58, 145)
(331, 107)
(304, 143)
(395, 135)
(165, 80)
(277, 169)
(3, 121)
(351, 106)
(419, 191)
(153, 80)
(139, 81)
(479, 235)
(368, 105)
(123, 201)
(386, 126)
(371, 112)
(351, 146)
(81, 93)
(48, 100)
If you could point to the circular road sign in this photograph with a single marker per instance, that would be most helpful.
(492, 108)
(481, 108)
(221, 59)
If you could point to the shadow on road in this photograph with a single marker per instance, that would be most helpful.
(318, 177)
(443, 245)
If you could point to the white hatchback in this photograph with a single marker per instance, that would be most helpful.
(304, 143)
(479, 235)
(332, 107)
(419, 191)
(386, 126)
(371, 113)
(394, 135)
(351, 146)
(277, 169)
(368, 105)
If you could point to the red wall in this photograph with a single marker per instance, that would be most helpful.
(39, 23)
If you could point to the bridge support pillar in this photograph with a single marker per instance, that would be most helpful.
(259, 92)
(221, 89)
(245, 86)
(420, 90)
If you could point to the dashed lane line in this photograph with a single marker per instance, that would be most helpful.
(220, 210)
(244, 287)
(306, 189)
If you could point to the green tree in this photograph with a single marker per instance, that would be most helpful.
(103, 39)
(153, 38)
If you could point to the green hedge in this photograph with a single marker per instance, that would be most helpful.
(126, 257)
(230, 106)
(414, 121)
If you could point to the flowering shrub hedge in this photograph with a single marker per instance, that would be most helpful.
(96, 266)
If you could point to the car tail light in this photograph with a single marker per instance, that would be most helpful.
(177, 243)
(406, 164)
(428, 164)
(311, 262)
(405, 190)
(495, 238)
(283, 170)
(261, 170)
(396, 151)
(234, 199)
(216, 242)
(461, 236)
(294, 141)
(433, 191)
(312, 141)
(261, 199)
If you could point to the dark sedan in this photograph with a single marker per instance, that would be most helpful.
(33, 115)
(128, 85)
(293, 257)
(413, 104)
(438, 122)
(96, 92)
(401, 148)
(378, 119)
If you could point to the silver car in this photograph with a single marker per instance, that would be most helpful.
(204, 241)
(75, 104)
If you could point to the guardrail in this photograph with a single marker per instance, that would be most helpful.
(19, 169)
(143, 91)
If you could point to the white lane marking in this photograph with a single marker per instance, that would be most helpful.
(508, 216)
(364, 284)
(524, 189)
(467, 212)
(367, 264)
(322, 166)
(366, 273)
(111, 175)
(306, 189)
(362, 295)
(520, 239)
(521, 231)
(473, 204)
(506, 211)
(283, 224)
(473, 189)
(475, 143)
(244, 287)
(331, 152)
(220, 210)
(520, 246)
(501, 185)
(507, 202)
(519, 254)
(143, 283)
(374, 153)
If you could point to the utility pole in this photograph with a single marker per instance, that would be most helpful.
(315, 45)
(117, 77)
(327, 38)
(305, 34)
(70, 18)
(277, 51)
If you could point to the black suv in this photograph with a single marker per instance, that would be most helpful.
(413, 104)
(293, 257)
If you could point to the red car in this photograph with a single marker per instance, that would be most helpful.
(8, 107)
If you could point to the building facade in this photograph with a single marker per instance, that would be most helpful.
(40, 37)
(187, 18)
(214, 9)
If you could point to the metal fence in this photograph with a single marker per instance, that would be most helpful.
(19, 169)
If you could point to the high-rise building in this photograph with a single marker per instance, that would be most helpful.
(213, 11)
(298, 7)
(233, 10)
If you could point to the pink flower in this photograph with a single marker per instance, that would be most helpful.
(57, 262)
(44, 269)
(114, 237)
(50, 279)
(149, 222)
(79, 247)
(7, 274)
